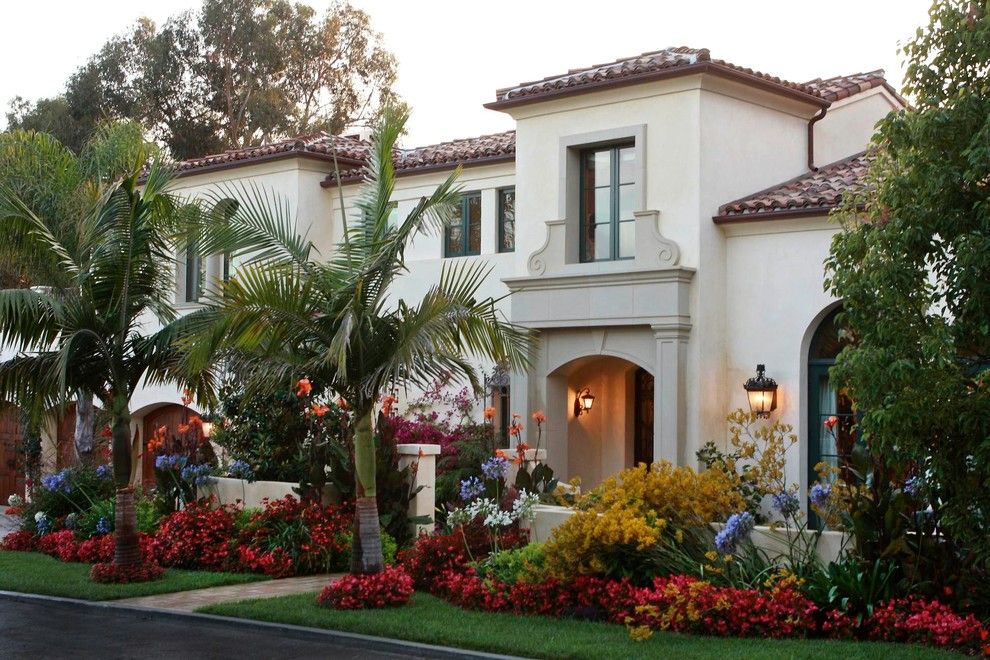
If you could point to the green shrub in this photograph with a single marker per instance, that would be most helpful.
(525, 564)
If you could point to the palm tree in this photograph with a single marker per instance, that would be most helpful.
(286, 314)
(91, 332)
(62, 188)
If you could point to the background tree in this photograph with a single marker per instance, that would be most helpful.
(233, 74)
(61, 188)
(92, 334)
(912, 267)
(287, 315)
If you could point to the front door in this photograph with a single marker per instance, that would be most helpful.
(643, 426)
(11, 478)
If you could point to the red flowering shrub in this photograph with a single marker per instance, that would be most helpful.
(434, 554)
(930, 622)
(390, 588)
(110, 573)
(62, 545)
(98, 549)
(196, 537)
(19, 541)
(290, 537)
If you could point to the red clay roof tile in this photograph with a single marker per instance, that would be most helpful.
(811, 193)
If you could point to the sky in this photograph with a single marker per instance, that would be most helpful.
(453, 54)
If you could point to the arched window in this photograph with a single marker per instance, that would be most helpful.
(831, 419)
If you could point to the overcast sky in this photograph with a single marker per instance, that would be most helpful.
(453, 53)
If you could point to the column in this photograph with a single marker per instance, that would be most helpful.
(668, 392)
(423, 459)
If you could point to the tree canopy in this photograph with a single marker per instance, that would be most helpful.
(912, 267)
(234, 73)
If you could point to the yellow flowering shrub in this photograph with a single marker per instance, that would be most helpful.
(618, 523)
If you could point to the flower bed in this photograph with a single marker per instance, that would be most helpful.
(390, 588)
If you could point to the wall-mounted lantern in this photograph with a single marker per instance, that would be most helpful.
(762, 392)
(583, 402)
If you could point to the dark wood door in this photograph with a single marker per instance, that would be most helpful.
(643, 427)
(11, 475)
(169, 416)
(65, 450)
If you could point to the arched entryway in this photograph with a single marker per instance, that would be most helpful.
(831, 419)
(170, 416)
(618, 431)
(11, 463)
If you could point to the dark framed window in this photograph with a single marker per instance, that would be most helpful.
(195, 274)
(507, 220)
(462, 237)
(608, 190)
(504, 416)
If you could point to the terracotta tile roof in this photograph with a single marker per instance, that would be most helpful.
(814, 193)
(668, 61)
(841, 87)
(349, 148)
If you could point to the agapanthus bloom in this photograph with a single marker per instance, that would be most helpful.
(820, 495)
(471, 488)
(913, 485)
(736, 529)
(167, 462)
(197, 474)
(42, 522)
(15, 501)
(522, 508)
(786, 503)
(104, 471)
(103, 526)
(239, 469)
(57, 483)
(495, 468)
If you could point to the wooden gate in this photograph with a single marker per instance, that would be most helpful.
(11, 474)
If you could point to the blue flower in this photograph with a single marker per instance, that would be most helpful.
(471, 488)
(43, 523)
(103, 526)
(58, 482)
(104, 471)
(736, 529)
(197, 474)
(239, 469)
(820, 495)
(167, 462)
(495, 467)
(913, 486)
(786, 503)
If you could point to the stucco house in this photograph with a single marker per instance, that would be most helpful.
(660, 219)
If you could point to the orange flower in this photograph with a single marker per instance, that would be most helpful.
(387, 404)
(518, 459)
(522, 446)
(539, 417)
(186, 397)
(515, 428)
(195, 420)
(490, 413)
(183, 428)
(320, 410)
(831, 422)
(516, 416)
(303, 387)
(341, 403)
(500, 453)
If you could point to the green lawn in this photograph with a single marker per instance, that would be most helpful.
(431, 620)
(35, 573)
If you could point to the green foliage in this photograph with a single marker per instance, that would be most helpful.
(472, 448)
(88, 524)
(82, 489)
(711, 457)
(525, 564)
(912, 266)
(540, 481)
(853, 586)
(232, 74)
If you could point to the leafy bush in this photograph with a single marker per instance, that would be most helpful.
(525, 564)
(196, 537)
(62, 545)
(852, 586)
(389, 588)
(69, 491)
(110, 573)
(97, 520)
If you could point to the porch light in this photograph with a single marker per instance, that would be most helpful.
(583, 402)
(762, 392)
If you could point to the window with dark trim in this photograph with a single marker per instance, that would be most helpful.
(608, 190)
(462, 236)
(507, 220)
(195, 274)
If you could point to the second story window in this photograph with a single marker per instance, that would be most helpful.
(507, 220)
(463, 236)
(195, 273)
(608, 189)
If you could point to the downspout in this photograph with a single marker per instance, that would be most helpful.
(811, 137)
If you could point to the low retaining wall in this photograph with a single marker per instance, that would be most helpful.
(773, 541)
(228, 490)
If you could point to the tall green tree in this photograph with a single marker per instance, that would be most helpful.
(92, 333)
(235, 73)
(912, 267)
(287, 314)
(61, 187)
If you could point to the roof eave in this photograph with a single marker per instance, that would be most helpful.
(713, 68)
(329, 182)
(259, 160)
(776, 214)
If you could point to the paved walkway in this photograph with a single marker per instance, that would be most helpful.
(189, 601)
(8, 524)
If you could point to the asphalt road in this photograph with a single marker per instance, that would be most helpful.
(58, 630)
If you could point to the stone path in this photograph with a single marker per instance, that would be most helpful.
(189, 601)
(8, 524)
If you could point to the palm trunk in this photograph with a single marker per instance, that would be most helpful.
(84, 426)
(366, 540)
(127, 551)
